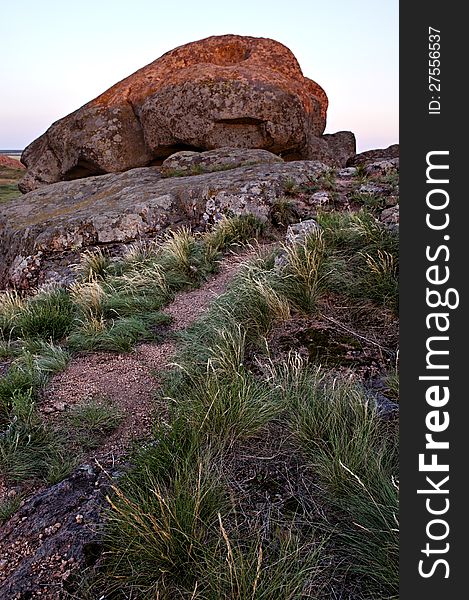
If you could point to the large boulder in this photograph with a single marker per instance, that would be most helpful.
(61, 219)
(221, 91)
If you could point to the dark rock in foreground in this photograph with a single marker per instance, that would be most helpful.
(54, 535)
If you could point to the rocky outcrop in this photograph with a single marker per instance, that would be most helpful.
(221, 91)
(371, 156)
(67, 217)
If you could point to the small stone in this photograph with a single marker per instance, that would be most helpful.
(79, 518)
(298, 232)
(347, 173)
(372, 188)
(320, 198)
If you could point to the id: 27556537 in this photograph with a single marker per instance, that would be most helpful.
(434, 86)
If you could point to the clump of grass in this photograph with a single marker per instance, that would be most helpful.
(302, 278)
(60, 465)
(159, 530)
(381, 278)
(228, 232)
(50, 358)
(141, 252)
(25, 450)
(391, 179)
(94, 264)
(291, 187)
(92, 421)
(9, 506)
(283, 567)
(373, 202)
(328, 180)
(283, 212)
(360, 173)
(48, 315)
(225, 408)
(20, 380)
(116, 336)
(11, 306)
(361, 257)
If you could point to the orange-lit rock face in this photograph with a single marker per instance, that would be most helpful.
(222, 91)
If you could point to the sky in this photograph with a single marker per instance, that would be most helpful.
(57, 54)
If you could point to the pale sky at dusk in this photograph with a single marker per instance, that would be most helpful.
(57, 55)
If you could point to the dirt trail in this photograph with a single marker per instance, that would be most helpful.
(129, 381)
(50, 537)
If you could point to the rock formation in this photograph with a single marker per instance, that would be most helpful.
(68, 217)
(221, 91)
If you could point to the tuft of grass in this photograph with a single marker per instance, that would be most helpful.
(361, 257)
(381, 278)
(283, 212)
(59, 466)
(92, 421)
(301, 280)
(94, 264)
(25, 450)
(328, 180)
(50, 358)
(373, 202)
(228, 232)
(283, 567)
(159, 530)
(290, 187)
(225, 408)
(11, 306)
(360, 174)
(19, 381)
(9, 506)
(48, 315)
(117, 336)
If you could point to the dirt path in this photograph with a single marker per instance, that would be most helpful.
(129, 381)
(48, 539)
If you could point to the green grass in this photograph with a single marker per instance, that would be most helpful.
(283, 212)
(374, 202)
(113, 305)
(355, 455)
(48, 316)
(89, 423)
(9, 506)
(8, 191)
(234, 231)
(361, 257)
(94, 264)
